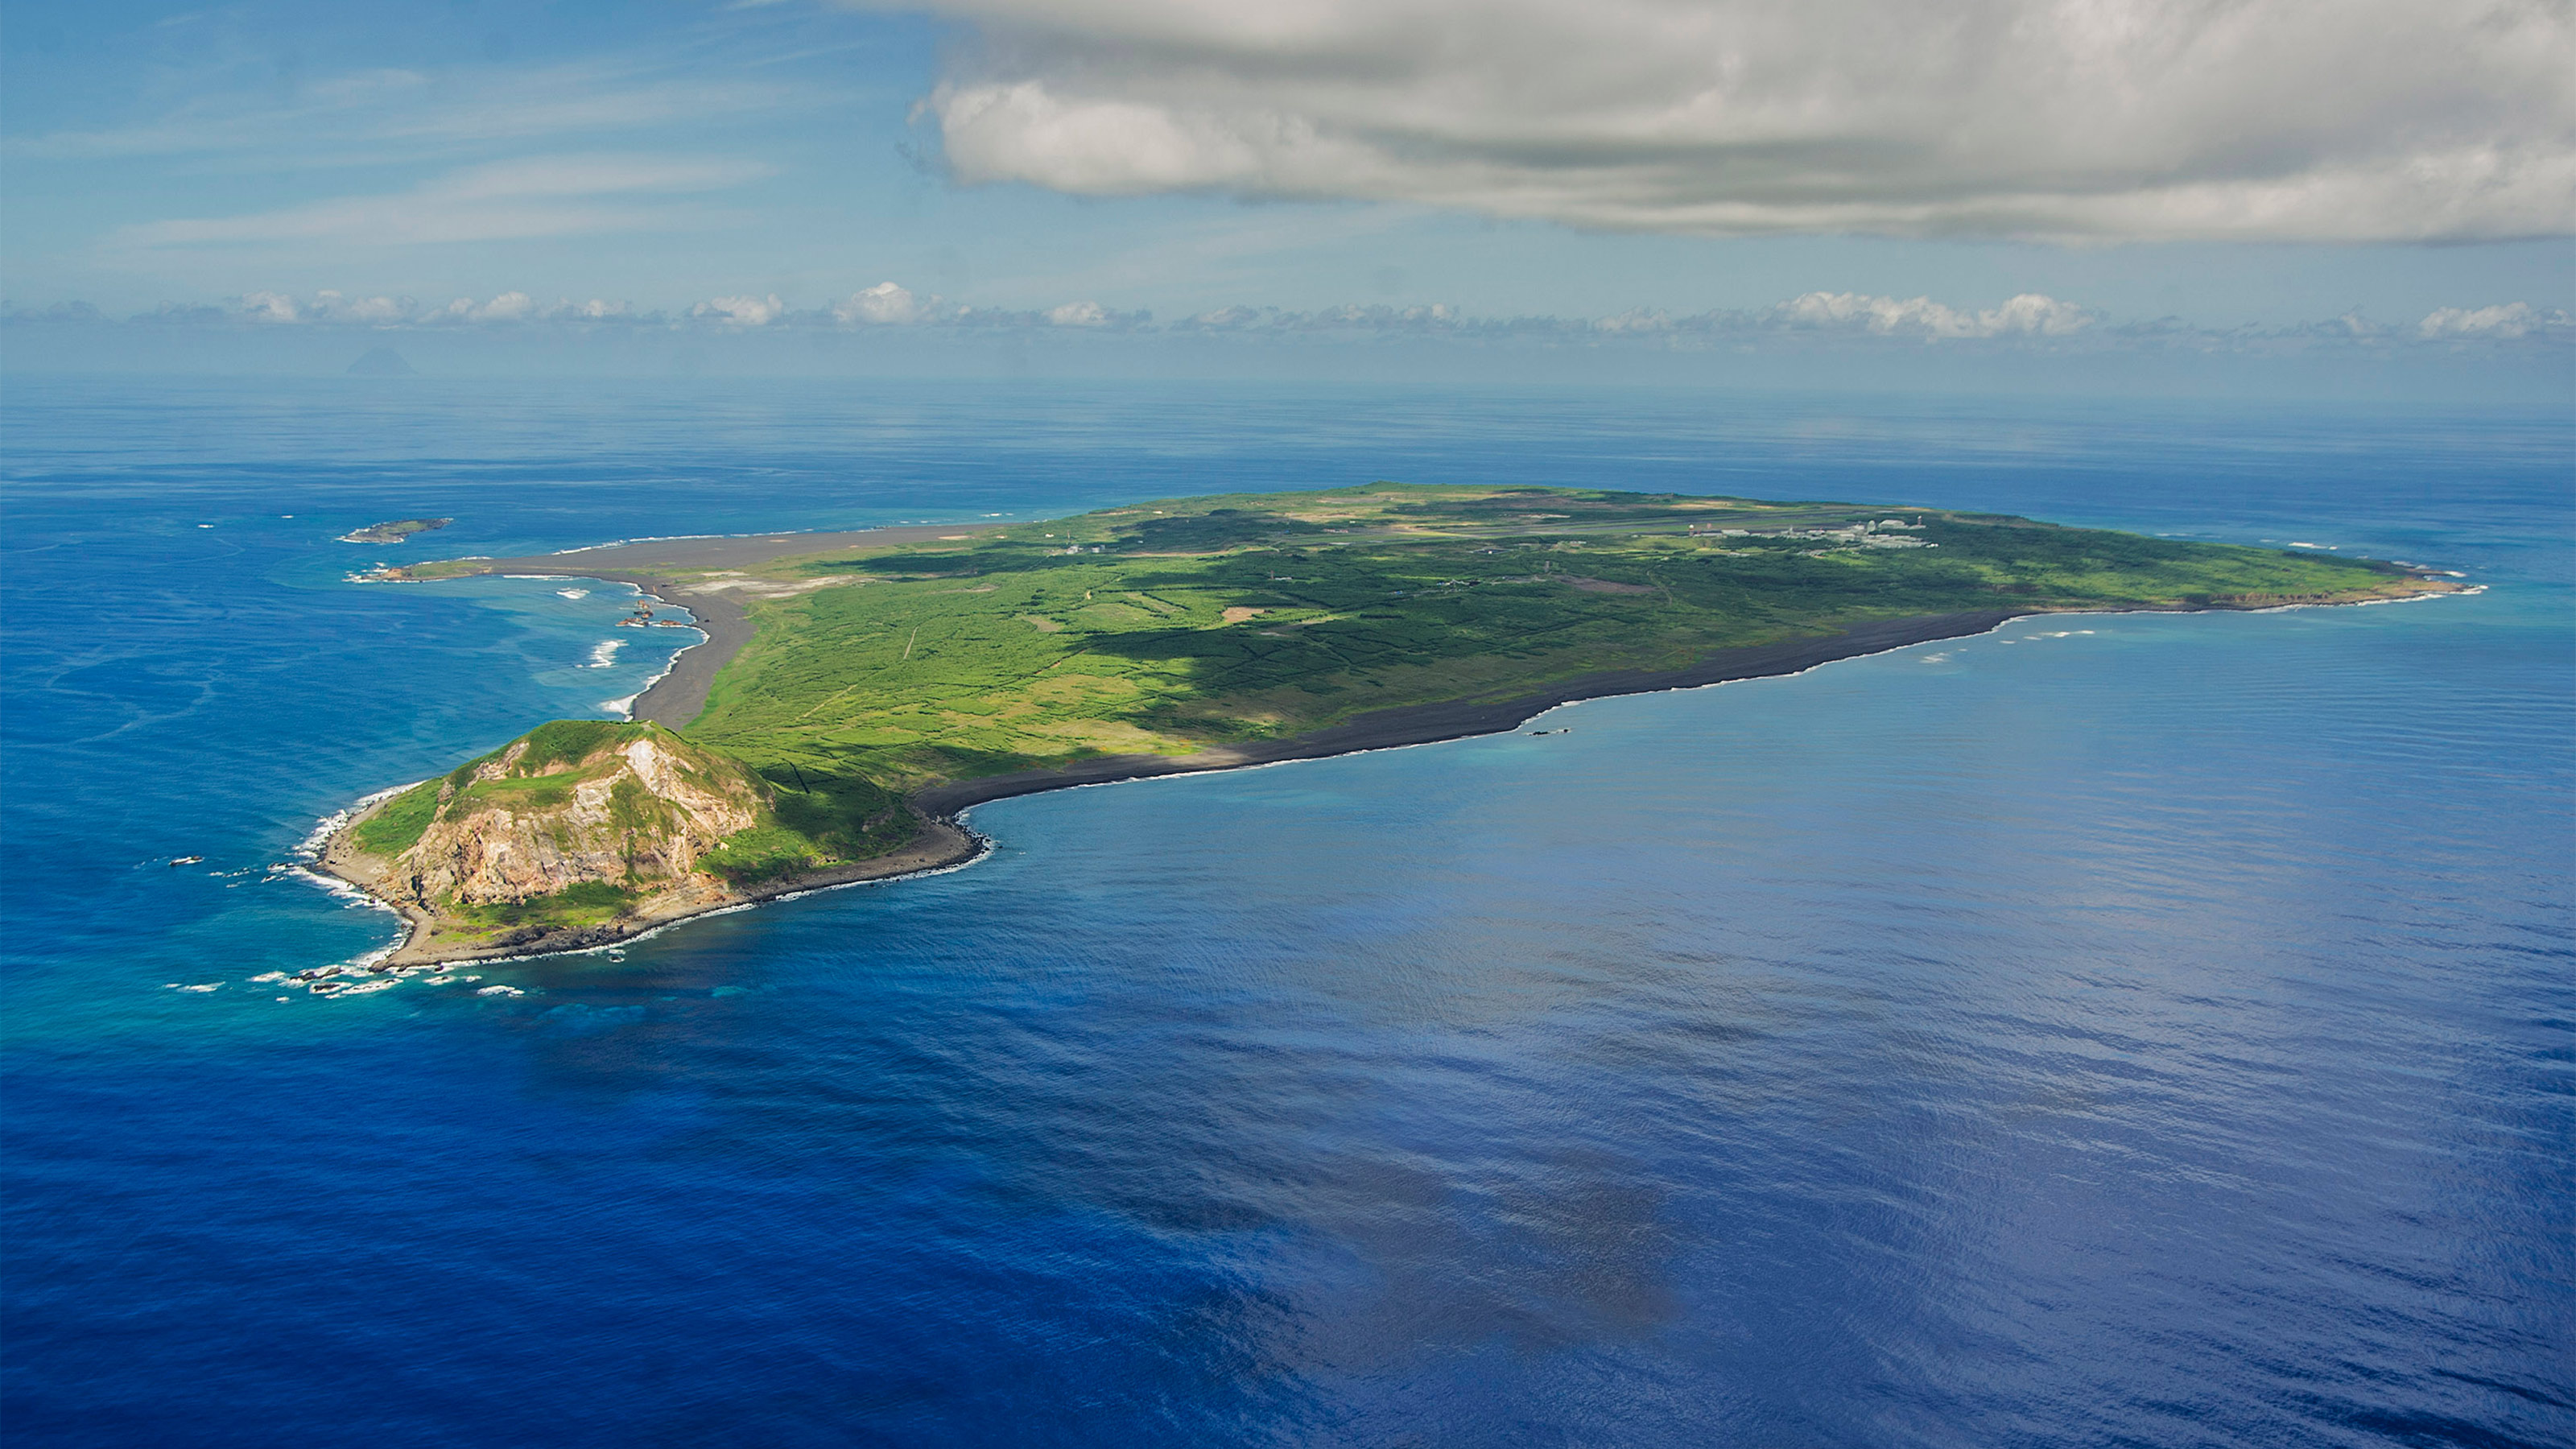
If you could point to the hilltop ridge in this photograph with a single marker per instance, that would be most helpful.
(585, 831)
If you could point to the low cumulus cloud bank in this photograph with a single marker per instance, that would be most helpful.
(2030, 320)
(2514, 319)
(2346, 120)
(2029, 313)
(334, 308)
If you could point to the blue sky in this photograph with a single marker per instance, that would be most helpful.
(2258, 168)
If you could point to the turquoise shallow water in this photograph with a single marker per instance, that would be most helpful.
(2149, 1030)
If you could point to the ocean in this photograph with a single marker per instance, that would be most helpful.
(2137, 1030)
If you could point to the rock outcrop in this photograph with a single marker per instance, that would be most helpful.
(584, 832)
(637, 813)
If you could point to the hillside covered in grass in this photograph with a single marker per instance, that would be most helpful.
(1172, 626)
(581, 824)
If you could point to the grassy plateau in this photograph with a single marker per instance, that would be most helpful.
(1167, 627)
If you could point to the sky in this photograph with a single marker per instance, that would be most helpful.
(2335, 184)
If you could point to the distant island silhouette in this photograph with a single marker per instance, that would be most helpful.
(381, 362)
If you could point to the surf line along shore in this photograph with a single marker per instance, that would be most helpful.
(677, 697)
(677, 570)
(681, 693)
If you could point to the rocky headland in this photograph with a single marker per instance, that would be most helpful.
(585, 832)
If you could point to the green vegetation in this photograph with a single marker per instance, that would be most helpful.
(802, 822)
(1171, 626)
(1166, 628)
(580, 906)
(398, 826)
(570, 741)
(395, 531)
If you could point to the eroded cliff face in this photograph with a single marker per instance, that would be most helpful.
(635, 812)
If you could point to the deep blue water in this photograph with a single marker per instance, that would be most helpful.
(2127, 1030)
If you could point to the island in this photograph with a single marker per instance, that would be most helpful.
(859, 690)
(395, 531)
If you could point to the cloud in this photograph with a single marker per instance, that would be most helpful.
(2513, 319)
(2347, 120)
(378, 310)
(331, 308)
(269, 307)
(545, 196)
(408, 111)
(1225, 319)
(883, 304)
(508, 307)
(1817, 322)
(2030, 313)
(741, 311)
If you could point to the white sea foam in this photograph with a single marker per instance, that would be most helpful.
(309, 850)
(572, 593)
(604, 654)
(351, 897)
(625, 708)
(656, 538)
(310, 847)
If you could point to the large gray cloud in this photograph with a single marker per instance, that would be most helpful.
(2070, 119)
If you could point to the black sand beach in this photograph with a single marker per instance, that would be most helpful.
(678, 697)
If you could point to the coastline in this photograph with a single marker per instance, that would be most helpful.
(1465, 719)
(943, 842)
(1426, 724)
(681, 693)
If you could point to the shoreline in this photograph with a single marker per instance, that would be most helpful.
(680, 694)
(1427, 724)
(945, 843)
(942, 844)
